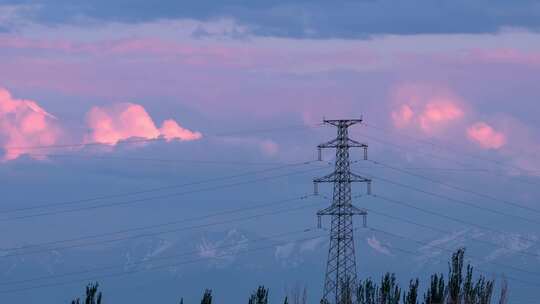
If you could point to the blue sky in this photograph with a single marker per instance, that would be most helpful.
(211, 90)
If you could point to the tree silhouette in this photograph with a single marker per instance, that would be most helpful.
(207, 297)
(389, 292)
(260, 296)
(436, 291)
(412, 295)
(92, 295)
(461, 288)
(366, 293)
(455, 277)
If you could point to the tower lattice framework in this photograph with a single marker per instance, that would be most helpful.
(340, 278)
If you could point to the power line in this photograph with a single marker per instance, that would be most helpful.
(445, 169)
(457, 220)
(124, 273)
(146, 199)
(466, 166)
(437, 229)
(413, 253)
(462, 202)
(232, 211)
(450, 148)
(455, 187)
(161, 160)
(181, 229)
(164, 266)
(401, 148)
(218, 162)
(103, 197)
(442, 248)
(158, 139)
(101, 268)
(449, 169)
(429, 227)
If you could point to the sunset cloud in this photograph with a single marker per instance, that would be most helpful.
(429, 108)
(437, 112)
(403, 116)
(111, 124)
(171, 130)
(484, 135)
(24, 124)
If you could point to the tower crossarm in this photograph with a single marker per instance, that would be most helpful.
(334, 210)
(338, 211)
(347, 143)
(358, 178)
(342, 144)
(336, 177)
(345, 122)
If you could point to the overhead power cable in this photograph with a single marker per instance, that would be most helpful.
(117, 195)
(450, 186)
(451, 251)
(161, 160)
(202, 217)
(148, 234)
(454, 219)
(437, 229)
(150, 260)
(402, 148)
(163, 266)
(511, 278)
(440, 230)
(163, 196)
(160, 139)
(452, 149)
(467, 166)
(451, 199)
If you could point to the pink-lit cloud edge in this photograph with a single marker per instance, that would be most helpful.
(25, 125)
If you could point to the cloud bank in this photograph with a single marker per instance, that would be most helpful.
(111, 124)
(485, 136)
(428, 107)
(23, 125)
(319, 19)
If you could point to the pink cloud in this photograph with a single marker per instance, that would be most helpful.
(437, 112)
(485, 136)
(428, 107)
(403, 116)
(24, 124)
(121, 121)
(171, 130)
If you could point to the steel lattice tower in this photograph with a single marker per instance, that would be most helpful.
(340, 275)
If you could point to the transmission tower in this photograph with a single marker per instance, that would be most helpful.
(340, 278)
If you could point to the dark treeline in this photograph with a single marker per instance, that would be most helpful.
(459, 287)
